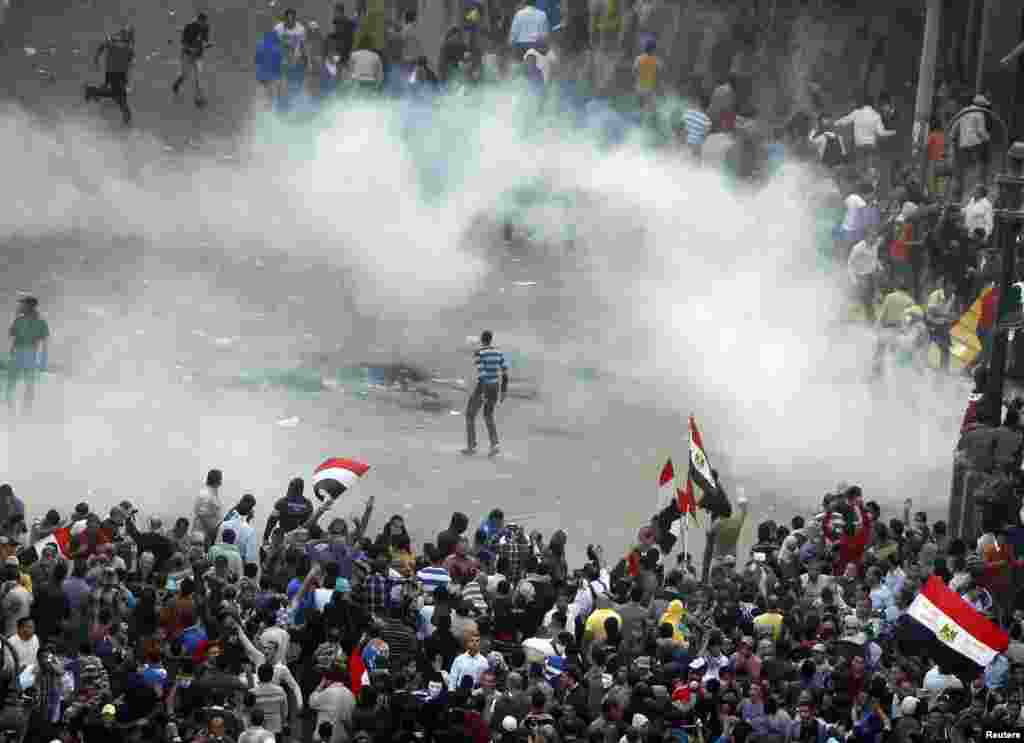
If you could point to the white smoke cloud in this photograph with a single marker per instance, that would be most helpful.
(685, 295)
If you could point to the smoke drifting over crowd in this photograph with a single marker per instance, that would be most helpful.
(378, 235)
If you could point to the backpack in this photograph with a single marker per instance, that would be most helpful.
(833, 154)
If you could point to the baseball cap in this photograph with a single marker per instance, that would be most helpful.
(109, 710)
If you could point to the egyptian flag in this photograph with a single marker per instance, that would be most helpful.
(941, 626)
(686, 502)
(704, 489)
(332, 478)
(60, 538)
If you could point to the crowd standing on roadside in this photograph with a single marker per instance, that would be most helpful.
(201, 630)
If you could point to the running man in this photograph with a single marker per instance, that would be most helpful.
(195, 39)
(119, 50)
(29, 335)
(489, 362)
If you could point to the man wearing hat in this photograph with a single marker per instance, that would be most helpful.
(29, 336)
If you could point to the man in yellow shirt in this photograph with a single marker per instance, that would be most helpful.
(593, 630)
(895, 304)
(771, 621)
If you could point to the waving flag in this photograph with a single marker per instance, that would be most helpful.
(60, 538)
(955, 625)
(687, 503)
(665, 484)
(335, 476)
(700, 468)
(704, 489)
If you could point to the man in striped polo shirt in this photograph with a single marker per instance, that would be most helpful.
(490, 363)
(697, 124)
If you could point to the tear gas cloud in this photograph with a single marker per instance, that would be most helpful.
(687, 294)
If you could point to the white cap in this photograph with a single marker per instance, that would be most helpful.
(909, 705)
(509, 724)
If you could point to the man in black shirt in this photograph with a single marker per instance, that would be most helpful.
(119, 50)
(339, 42)
(195, 39)
(151, 541)
(290, 512)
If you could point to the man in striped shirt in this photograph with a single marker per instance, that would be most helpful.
(697, 124)
(434, 575)
(490, 364)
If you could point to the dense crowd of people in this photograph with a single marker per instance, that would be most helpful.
(206, 630)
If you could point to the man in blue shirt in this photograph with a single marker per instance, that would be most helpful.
(490, 364)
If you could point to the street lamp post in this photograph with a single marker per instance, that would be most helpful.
(1009, 216)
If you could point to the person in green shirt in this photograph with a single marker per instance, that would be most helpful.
(29, 334)
(722, 538)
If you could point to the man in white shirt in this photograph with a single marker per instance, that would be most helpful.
(293, 44)
(529, 27)
(867, 129)
(25, 643)
(293, 37)
(979, 214)
(256, 733)
(470, 663)
(366, 68)
(862, 268)
(972, 142)
(855, 203)
(333, 703)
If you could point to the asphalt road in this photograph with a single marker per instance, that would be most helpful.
(149, 337)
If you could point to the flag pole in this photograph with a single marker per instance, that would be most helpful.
(686, 532)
